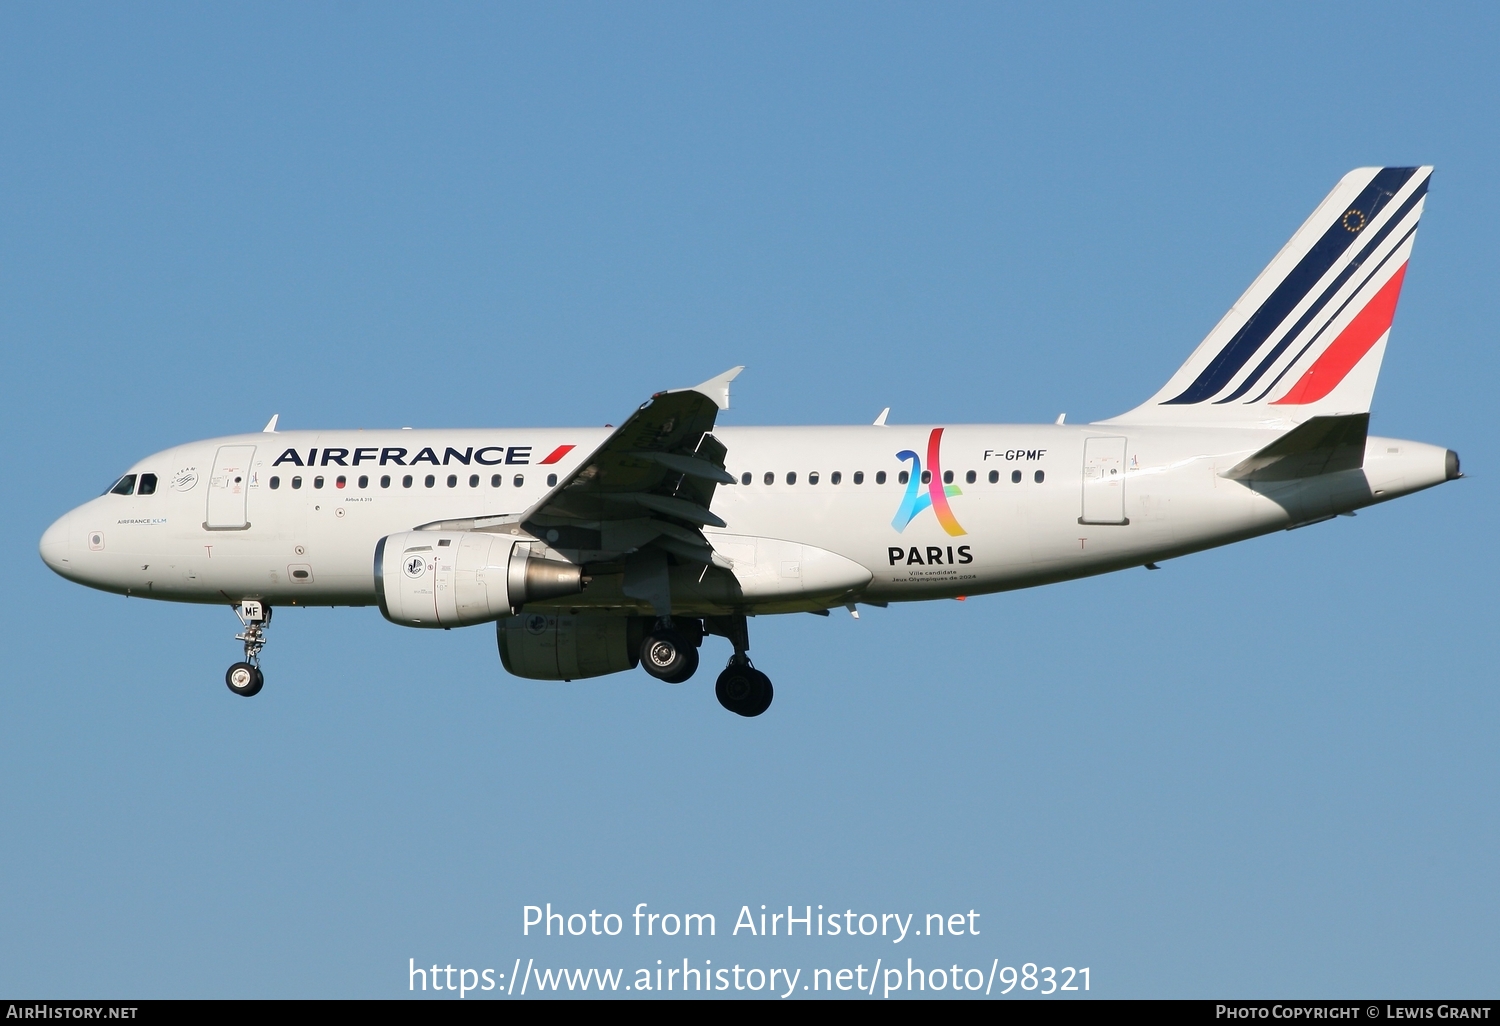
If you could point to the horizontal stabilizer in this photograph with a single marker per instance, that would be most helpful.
(1323, 445)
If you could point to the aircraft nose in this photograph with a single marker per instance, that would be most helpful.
(54, 546)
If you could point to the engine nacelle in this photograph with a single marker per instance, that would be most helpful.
(458, 578)
(546, 647)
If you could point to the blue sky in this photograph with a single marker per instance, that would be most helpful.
(1266, 770)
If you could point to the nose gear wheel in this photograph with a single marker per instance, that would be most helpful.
(245, 678)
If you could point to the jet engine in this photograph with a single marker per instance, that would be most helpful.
(458, 578)
(546, 647)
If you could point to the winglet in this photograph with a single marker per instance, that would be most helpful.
(270, 428)
(880, 420)
(716, 388)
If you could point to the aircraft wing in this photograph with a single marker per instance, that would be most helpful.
(649, 483)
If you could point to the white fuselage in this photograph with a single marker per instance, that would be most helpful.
(289, 533)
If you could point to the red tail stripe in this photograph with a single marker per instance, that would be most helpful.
(1351, 345)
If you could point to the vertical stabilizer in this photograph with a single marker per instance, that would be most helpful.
(1307, 337)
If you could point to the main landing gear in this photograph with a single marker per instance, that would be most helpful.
(669, 652)
(743, 689)
(245, 679)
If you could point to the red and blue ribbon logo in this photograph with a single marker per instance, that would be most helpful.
(935, 494)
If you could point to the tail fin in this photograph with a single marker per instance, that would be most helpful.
(1307, 337)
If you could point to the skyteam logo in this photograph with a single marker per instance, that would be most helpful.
(935, 494)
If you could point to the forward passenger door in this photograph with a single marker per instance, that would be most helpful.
(228, 487)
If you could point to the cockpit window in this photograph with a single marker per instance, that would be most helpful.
(148, 485)
(124, 486)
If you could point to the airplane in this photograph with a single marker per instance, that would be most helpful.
(596, 550)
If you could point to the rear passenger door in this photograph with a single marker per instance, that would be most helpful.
(1103, 481)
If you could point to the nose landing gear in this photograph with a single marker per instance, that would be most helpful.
(245, 679)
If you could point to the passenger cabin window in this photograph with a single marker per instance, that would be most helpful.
(835, 477)
(926, 477)
(495, 481)
(859, 477)
(745, 478)
(994, 476)
(1015, 477)
(902, 477)
(429, 481)
(275, 483)
(812, 478)
(520, 480)
(880, 476)
(296, 482)
(452, 480)
(971, 477)
(770, 478)
(318, 481)
(1039, 476)
(364, 480)
(406, 481)
(791, 477)
(551, 480)
(340, 481)
(385, 480)
(948, 477)
(124, 486)
(473, 480)
(147, 485)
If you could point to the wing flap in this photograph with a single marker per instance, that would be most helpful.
(683, 509)
(690, 465)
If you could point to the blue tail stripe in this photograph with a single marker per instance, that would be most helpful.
(1324, 253)
(1328, 294)
(1342, 307)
